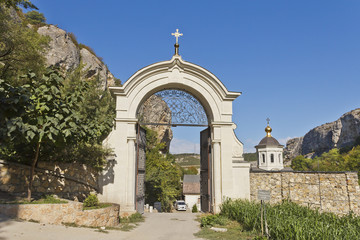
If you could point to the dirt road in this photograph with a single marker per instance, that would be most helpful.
(159, 226)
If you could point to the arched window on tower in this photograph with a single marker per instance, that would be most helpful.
(263, 158)
(272, 158)
(279, 158)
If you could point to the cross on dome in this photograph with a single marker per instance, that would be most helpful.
(268, 120)
(177, 35)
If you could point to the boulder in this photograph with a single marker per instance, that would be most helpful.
(65, 54)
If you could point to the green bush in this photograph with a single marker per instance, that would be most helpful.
(34, 17)
(212, 220)
(291, 221)
(194, 209)
(91, 201)
(133, 218)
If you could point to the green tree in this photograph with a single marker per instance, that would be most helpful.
(97, 110)
(352, 160)
(162, 174)
(20, 49)
(51, 116)
(188, 171)
(300, 163)
(330, 161)
(34, 17)
(15, 3)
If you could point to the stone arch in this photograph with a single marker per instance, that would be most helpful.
(228, 167)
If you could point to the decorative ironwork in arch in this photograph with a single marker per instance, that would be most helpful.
(185, 109)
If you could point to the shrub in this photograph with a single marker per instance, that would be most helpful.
(211, 220)
(34, 17)
(194, 209)
(136, 217)
(91, 51)
(91, 201)
(73, 38)
(133, 218)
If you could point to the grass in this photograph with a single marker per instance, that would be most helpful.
(98, 229)
(70, 224)
(130, 222)
(33, 221)
(134, 218)
(291, 221)
(99, 206)
(48, 199)
(127, 227)
(234, 231)
(122, 227)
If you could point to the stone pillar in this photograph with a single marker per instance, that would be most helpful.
(217, 195)
(130, 185)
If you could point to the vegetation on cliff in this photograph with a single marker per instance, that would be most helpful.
(345, 159)
(20, 48)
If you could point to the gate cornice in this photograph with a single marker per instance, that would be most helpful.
(182, 66)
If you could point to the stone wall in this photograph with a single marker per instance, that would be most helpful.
(63, 213)
(336, 192)
(66, 180)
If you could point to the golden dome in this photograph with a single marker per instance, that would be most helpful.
(268, 131)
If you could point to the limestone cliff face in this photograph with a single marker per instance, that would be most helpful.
(340, 133)
(64, 53)
(94, 66)
(293, 148)
(155, 110)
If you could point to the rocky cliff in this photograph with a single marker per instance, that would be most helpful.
(338, 134)
(64, 52)
(155, 110)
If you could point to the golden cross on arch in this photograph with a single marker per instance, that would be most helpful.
(177, 35)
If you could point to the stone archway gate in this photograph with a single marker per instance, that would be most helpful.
(229, 173)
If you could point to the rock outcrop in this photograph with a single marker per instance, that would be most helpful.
(293, 148)
(338, 134)
(67, 55)
(155, 110)
(94, 66)
(62, 52)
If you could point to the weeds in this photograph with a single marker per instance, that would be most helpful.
(291, 221)
(47, 199)
(134, 218)
(100, 205)
(212, 220)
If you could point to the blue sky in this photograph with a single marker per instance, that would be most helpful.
(297, 62)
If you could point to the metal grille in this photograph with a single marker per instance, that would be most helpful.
(185, 108)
